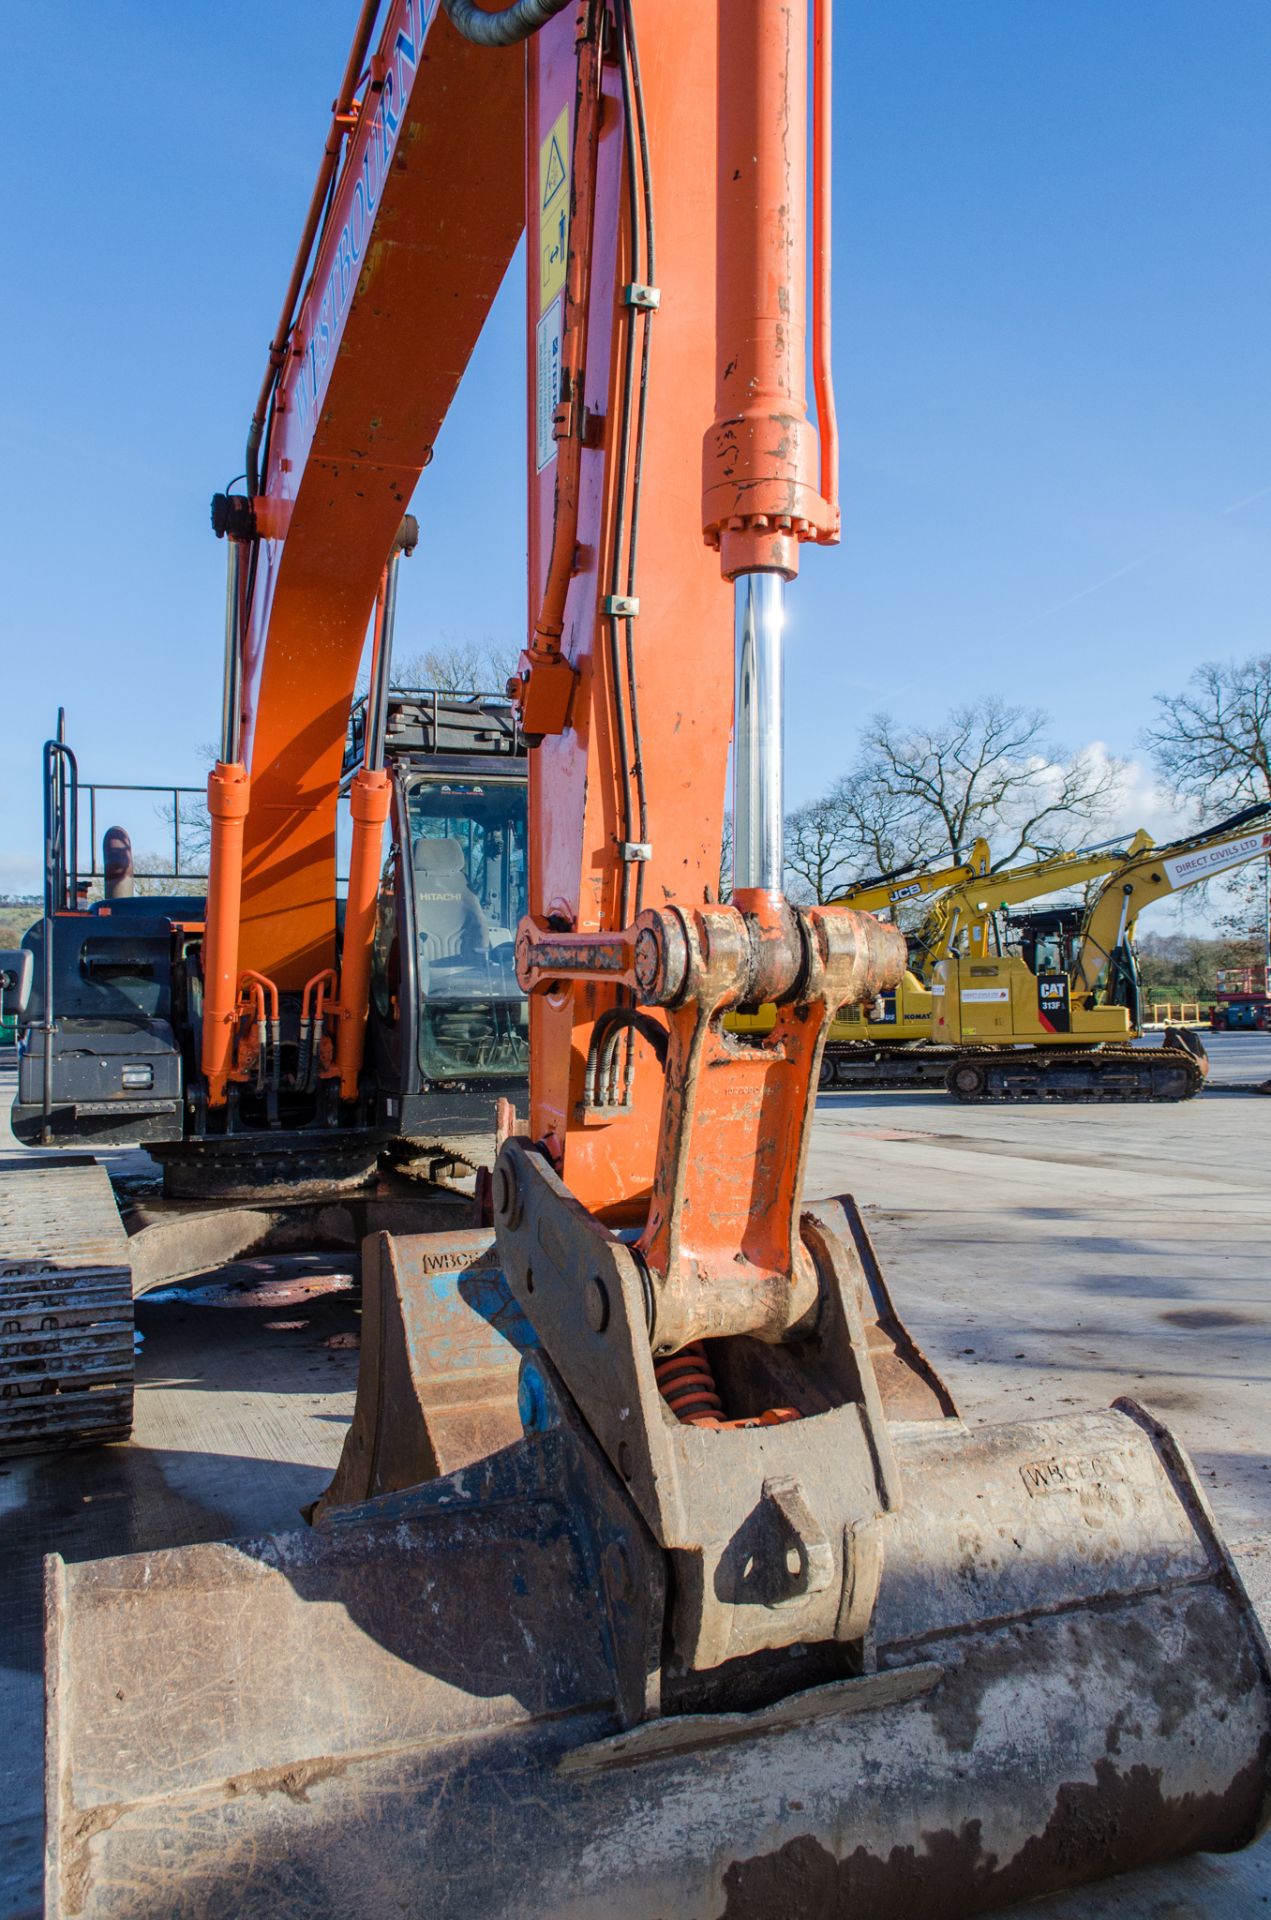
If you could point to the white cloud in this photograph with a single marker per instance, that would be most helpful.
(1144, 802)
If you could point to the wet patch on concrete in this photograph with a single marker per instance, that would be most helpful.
(1200, 1319)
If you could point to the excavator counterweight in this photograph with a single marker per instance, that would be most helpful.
(660, 1575)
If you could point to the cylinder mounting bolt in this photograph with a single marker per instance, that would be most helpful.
(596, 1304)
(506, 1194)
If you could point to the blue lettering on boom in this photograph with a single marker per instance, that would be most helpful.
(381, 140)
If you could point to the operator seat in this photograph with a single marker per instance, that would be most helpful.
(451, 918)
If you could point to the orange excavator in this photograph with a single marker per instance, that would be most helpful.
(706, 1601)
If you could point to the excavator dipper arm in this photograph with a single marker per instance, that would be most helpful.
(1156, 873)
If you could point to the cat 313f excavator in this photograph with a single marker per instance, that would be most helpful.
(1067, 1003)
(1054, 1021)
(713, 1605)
(905, 1011)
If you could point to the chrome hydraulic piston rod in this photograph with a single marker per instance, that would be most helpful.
(758, 738)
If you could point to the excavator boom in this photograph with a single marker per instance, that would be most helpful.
(395, 280)
(1158, 872)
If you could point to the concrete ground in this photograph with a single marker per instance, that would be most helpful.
(1047, 1259)
(1050, 1259)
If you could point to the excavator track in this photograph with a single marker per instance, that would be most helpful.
(851, 1064)
(1020, 1075)
(66, 1318)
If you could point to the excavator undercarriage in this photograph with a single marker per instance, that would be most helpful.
(1176, 1070)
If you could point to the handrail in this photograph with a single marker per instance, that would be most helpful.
(60, 879)
(93, 787)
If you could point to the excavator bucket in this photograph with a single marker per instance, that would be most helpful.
(1185, 1040)
(459, 1698)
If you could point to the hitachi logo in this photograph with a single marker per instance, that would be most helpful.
(317, 330)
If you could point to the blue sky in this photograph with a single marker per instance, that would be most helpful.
(1053, 281)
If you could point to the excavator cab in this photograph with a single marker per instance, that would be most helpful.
(446, 1009)
(1049, 943)
(448, 1032)
(468, 871)
(110, 1020)
(1046, 940)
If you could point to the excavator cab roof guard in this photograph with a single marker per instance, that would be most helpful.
(429, 722)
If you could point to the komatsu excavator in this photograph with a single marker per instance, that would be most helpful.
(1055, 1020)
(732, 1615)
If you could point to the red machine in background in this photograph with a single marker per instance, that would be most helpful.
(660, 1575)
(1242, 1000)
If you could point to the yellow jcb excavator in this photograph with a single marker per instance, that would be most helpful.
(1055, 1020)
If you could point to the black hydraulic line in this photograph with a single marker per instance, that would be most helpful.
(881, 879)
(507, 26)
(1245, 818)
(620, 523)
(599, 1082)
(640, 210)
(319, 208)
(633, 97)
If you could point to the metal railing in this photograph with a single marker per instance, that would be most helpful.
(96, 870)
(1244, 980)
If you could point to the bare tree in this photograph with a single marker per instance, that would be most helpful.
(987, 769)
(1212, 744)
(458, 666)
(1212, 741)
(821, 848)
(726, 859)
(883, 830)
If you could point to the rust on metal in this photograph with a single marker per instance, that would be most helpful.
(429, 1692)
(437, 1383)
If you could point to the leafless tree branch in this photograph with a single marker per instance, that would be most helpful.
(1212, 741)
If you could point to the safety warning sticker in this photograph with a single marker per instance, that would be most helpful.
(553, 211)
(985, 993)
(546, 385)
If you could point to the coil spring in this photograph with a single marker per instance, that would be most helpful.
(687, 1384)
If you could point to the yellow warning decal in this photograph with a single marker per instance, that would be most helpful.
(553, 211)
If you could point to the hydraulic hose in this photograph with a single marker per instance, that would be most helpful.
(507, 26)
